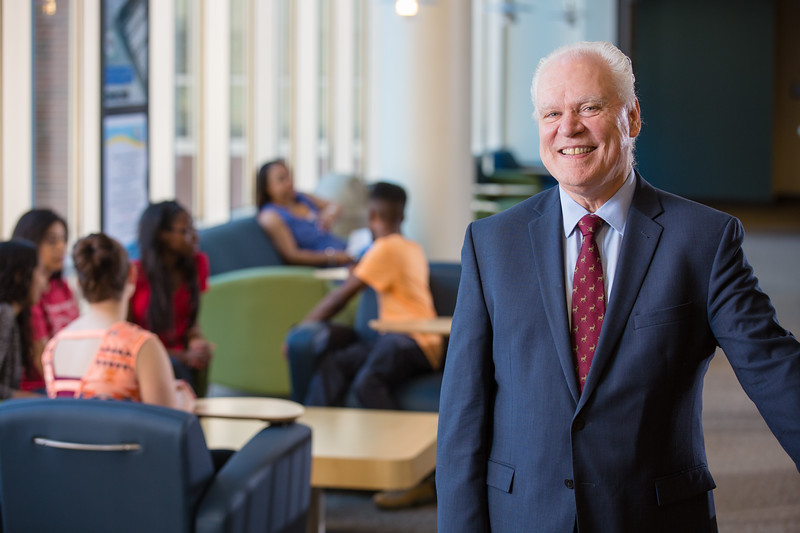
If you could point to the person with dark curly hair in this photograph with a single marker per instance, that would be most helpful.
(397, 269)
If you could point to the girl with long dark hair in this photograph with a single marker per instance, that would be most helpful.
(171, 275)
(21, 284)
(57, 307)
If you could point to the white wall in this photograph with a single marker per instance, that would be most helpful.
(419, 118)
(535, 34)
(16, 163)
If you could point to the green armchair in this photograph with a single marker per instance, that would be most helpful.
(247, 314)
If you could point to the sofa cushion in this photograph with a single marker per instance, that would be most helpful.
(238, 244)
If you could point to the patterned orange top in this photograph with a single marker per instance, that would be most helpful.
(112, 373)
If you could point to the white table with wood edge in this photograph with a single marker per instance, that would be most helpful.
(439, 325)
(355, 449)
(274, 410)
(332, 273)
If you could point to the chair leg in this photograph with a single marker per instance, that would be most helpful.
(316, 511)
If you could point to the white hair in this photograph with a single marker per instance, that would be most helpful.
(618, 63)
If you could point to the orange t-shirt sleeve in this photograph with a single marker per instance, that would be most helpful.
(378, 267)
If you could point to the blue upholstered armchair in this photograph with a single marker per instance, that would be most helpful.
(89, 465)
(306, 342)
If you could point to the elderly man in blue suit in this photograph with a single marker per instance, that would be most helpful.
(571, 399)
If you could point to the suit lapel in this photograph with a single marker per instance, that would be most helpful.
(639, 244)
(546, 232)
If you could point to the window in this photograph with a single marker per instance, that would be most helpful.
(186, 101)
(241, 193)
(51, 106)
(324, 89)
(359, 86)
(284, 79)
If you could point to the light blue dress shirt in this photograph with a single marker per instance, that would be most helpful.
(614, 212)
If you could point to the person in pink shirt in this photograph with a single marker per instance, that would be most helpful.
(57, 306)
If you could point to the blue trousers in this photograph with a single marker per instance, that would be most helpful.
(370, 369)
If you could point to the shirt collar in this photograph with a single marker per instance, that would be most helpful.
(614, 211)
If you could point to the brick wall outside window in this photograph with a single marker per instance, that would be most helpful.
(51, 82)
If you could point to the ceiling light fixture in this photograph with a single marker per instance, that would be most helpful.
(49, 7)
(406, 8)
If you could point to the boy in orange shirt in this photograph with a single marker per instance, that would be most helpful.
(397, 269)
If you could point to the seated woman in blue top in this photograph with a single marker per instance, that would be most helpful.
(298, 224)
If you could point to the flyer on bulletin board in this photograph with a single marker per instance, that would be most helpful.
(125, 173)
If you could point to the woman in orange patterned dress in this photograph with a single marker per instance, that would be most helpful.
(101, 355)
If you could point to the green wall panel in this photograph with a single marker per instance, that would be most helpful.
(705, 80)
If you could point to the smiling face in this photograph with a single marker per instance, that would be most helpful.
(586, 133)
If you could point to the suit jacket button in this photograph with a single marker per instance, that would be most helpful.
(579, 424)
(568, 483)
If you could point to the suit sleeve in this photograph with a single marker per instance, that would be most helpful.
(465, 406)
(764, 356)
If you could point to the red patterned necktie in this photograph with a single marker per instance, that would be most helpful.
(588, 298)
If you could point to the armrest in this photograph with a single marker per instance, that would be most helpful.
(267, 482)
(304, 344)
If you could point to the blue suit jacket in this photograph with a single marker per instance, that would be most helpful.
(520, 449)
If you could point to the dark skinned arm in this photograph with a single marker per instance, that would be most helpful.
(335, 300)
(283, 240)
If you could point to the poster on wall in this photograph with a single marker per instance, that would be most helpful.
(125, 153)
(125, 43)
(125, 168)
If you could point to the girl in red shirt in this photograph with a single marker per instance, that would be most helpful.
(171, 274)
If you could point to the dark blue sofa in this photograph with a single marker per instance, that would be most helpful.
(305, 343)
(238, 244)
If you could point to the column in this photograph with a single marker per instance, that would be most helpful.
(16, 141)
(87, 144)
(419, 118)
(214, 152)
(162, 100)
(305, 106)
(343, 78)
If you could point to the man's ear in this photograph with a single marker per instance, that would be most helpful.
(634, 119)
